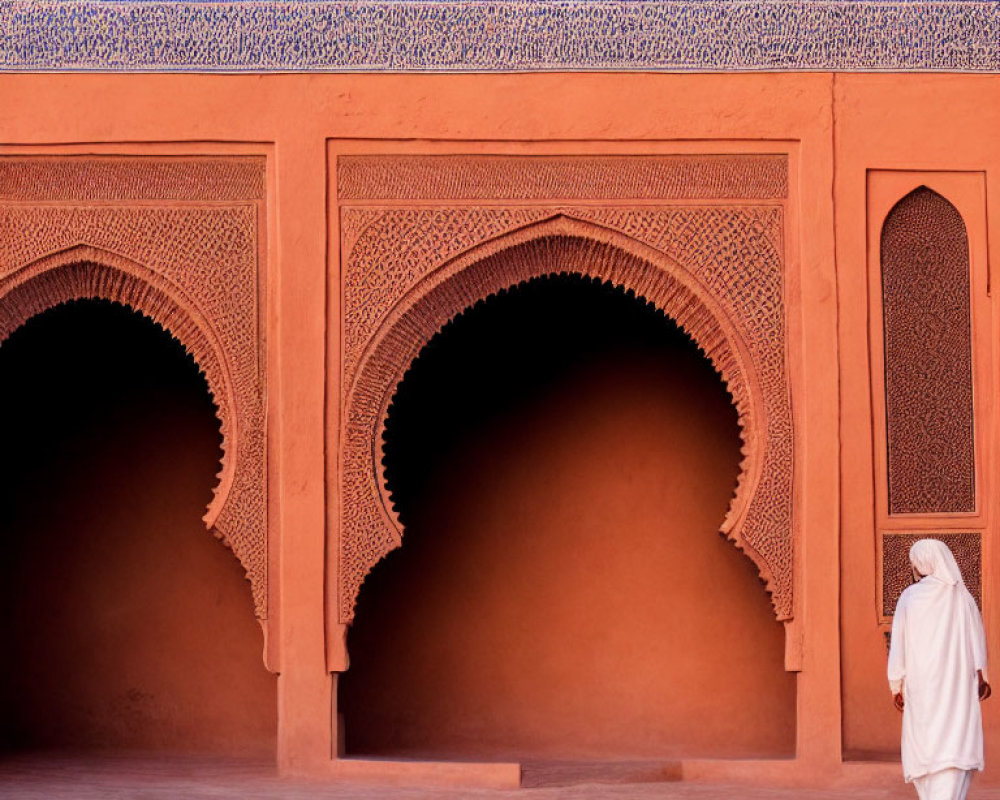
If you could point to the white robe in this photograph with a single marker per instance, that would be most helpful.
(947, 784)
(938, 644)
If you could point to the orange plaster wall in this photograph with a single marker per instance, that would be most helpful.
(837, 127)
(562, 459)
(298, 121)
(940, 125)
(126, 625)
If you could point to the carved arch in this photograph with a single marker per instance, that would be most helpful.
(87, 272)
(560, 244)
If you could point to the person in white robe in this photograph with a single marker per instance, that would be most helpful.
(937, 674)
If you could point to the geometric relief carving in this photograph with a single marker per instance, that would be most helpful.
(515, 178)
(928, 357)
(716, 270)
(178, 241)
(896, 573)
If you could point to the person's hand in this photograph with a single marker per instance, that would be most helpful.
(897, 700)
(984, 688)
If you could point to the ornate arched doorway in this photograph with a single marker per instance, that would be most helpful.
(180, 239)
(561, 455)
(127, 626)
(734, 316)
(735, 323)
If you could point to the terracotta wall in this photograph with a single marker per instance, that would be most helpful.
(896, 133)
(562, 457)
(299, 123)
(126, 625)
(836, 129)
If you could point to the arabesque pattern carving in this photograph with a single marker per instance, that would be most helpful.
(511, 178)
(79, 178)
(896, 574)
(928, 357)
(718, 271)
(190, 266)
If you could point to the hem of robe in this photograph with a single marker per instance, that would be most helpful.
(971, 766)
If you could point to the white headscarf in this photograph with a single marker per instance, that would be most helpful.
(934, 559)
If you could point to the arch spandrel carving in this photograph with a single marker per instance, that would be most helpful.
(759, 517)
(192, 267)
(88, 273)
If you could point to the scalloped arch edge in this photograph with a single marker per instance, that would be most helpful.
(431, 304)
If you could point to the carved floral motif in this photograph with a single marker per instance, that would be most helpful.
(517, 178)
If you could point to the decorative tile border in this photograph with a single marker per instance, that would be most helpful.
(499, 35)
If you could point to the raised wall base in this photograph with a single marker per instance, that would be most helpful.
(509, 775)
(471, 774)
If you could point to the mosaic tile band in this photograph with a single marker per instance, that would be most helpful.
(499, 36)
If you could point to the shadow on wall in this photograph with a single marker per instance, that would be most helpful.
(126, 625)
(561, 456)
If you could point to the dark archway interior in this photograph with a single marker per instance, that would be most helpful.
(561, 456)
(125, 625)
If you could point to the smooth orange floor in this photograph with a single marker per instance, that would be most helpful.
(121, 777)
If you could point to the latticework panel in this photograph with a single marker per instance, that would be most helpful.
(896, 573)
(931, 465)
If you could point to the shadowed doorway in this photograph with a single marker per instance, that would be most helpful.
(561, 457)
(126, 626)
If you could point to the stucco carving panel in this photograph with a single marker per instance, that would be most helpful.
(896, 575)
(512, 178)
(192, 267)
(718, 271)
(500, 35)
(399, 247)
(928, 357)
(191, 178)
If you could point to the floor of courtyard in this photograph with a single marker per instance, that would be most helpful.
(65, 776)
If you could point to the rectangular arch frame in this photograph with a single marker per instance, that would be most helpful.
(966, 191)
(130, 184)
(367, 178)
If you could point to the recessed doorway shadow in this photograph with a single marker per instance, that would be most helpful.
(561, 456)
(126, 626)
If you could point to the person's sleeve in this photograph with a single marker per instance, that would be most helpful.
(978, 638)
(897, 665)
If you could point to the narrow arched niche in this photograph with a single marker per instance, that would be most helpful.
(561, 456)
(927, 324)
(126, 625)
